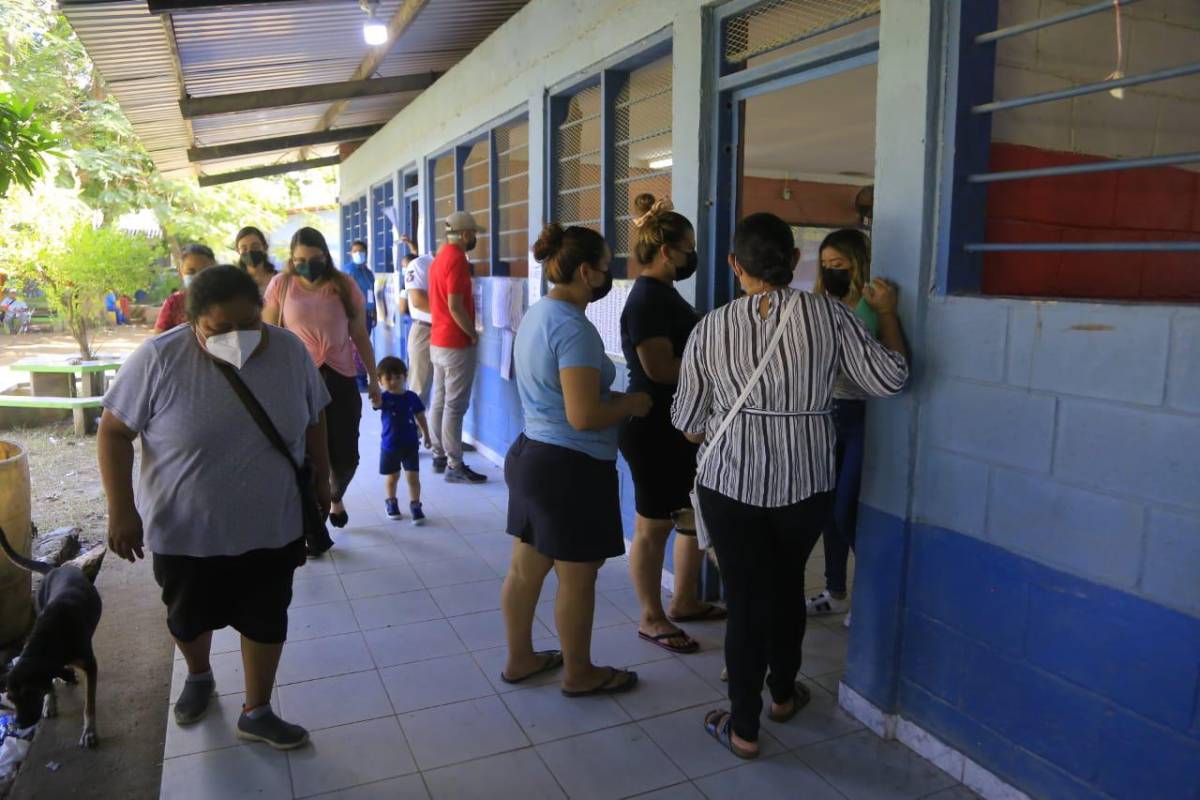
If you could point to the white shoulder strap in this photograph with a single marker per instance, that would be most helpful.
(784, 319)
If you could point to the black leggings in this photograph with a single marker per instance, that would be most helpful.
(760, 551)
(342, 416)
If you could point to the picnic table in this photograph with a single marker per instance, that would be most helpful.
(52, 376)
(53, 382)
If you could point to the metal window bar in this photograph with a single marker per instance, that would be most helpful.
(645, 176)
(644, 138)
(1170, 159)
(774, 24)
(578, 189)
(1087, 88)
(577, 156)
(1084, 247)
(1038, 24)
(1083, 169)
(644, 98)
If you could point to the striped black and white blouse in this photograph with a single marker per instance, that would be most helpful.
(779, 448)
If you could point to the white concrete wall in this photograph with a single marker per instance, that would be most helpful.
(544, 44)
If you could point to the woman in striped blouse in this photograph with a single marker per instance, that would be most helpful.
(766, 490)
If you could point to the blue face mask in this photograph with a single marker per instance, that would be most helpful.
(358, 257)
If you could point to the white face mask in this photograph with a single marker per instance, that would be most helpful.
(187, 281)
(234, 347)
(358, 258)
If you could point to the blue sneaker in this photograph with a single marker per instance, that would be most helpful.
(418, 516)
(393, 508)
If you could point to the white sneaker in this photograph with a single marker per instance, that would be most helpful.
(825, 604)
(846, 621)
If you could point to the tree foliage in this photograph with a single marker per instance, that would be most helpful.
(24, 142)
(76, 270)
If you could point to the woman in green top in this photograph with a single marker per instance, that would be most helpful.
(845, 270)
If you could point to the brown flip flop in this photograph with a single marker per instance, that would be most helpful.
(554, 660)
(606, 687)
(661, 640)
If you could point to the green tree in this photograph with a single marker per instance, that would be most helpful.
(78, 269)
(23, 144)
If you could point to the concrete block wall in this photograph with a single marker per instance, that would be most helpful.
(1051, 613)
(1067, 432)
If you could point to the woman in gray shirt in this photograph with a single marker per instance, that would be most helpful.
(217, 505)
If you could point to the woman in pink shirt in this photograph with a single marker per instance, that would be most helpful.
(325, 308)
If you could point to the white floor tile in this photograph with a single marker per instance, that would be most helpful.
(434, 545)
(461, 732)
(605, 615)
(317, 590)
(609, 764)
(326, 702)
(683, 738)
(782, 776)
(365, 558)
(619, 646)
(486, 630)
(492, 520)
(468, 598)
(235, 773)
(323, 658)
(410, 787)
(315, 622)
(395, 609)
(387, 580)
(666, 686)
(545, 714)
(404, 644)
(226, 670)
(447, 572)
(520, 774)
(435, 682)
(350, 755)
(214, 732)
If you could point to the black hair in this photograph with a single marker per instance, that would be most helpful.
(763, 244)
(563, 250)
(864, 201)
(217, 285)
(250, 230)
(359, 243)
(390, 366)
(196, 249)
(311, 237)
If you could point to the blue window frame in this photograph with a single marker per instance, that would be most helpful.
(383, 197)
(604, 132)
(468, 175)
(743, 30)
(354, 224)
(971, 112)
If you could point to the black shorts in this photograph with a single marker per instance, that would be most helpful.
(563, 503)
(393, 461)
(250, 592)
(662, 462)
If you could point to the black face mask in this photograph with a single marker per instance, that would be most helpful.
(691, 262)
(837, 281)
(312, 269)
(601, 291)
(253, 258)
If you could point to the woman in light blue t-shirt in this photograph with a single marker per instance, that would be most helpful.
(564, 506)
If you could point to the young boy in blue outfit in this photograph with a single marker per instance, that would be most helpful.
(403, 428)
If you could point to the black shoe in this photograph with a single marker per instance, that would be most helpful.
(439, 464)
(339, 519)
(271, 730)
(464, 474)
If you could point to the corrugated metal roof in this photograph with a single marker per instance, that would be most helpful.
(235, 49)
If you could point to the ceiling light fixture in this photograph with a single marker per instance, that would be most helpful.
(374, 32)
(661, 163)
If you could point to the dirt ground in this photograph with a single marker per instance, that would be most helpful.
(132, 646)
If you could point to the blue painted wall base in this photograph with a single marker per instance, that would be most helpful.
(1063, 687)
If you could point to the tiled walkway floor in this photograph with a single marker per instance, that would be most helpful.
(394, 652)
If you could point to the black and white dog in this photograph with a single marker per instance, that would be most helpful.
(68, 611)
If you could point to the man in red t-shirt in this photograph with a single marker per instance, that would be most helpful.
(452, 341)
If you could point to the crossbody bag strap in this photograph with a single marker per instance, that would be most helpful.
(784, 319)
(256, 411)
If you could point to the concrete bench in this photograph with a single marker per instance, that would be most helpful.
(77, 405)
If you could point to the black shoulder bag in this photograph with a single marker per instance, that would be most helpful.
(316, 535)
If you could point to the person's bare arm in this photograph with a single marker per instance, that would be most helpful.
(587, 411)
(114, 451)
(271, 314)
(657, 356)
(423, 424)
(316, 446)
(695, 438)
(418, 299)
(881, 296)
(362, 341)
(458, 310)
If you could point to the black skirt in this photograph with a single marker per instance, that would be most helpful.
(563, 503)
(662, 462)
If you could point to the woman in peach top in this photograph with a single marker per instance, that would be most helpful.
(325, 308)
